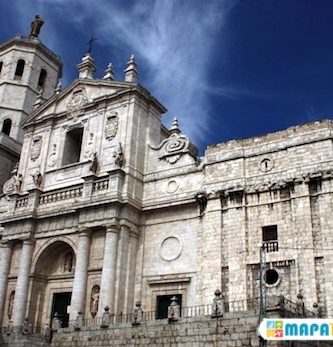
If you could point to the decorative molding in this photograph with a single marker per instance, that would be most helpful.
(172, 186)
(52, 158)
(171, 248)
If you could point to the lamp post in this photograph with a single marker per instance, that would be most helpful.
(262, 288)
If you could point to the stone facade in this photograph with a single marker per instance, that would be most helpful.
(107, 207)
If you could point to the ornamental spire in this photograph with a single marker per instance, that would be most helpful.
(131, 72)
(175, 127)
(109, 72)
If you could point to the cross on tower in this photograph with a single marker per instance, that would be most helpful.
(90, 42)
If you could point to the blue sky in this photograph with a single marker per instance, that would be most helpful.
(227, 69)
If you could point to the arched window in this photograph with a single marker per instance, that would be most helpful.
(19, 69)
(42, 78)
(6, 126)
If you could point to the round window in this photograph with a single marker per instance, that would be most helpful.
(271, 276)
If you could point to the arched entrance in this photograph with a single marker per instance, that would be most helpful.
(52, 284)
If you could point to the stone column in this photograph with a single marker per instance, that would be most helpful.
(109, 269)
(6, 255)
(81, 274)
(22, 284)
(120, 285)
(130, 272)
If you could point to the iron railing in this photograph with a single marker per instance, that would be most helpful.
(286, 307)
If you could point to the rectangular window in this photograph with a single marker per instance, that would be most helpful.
(269, 233)
(1, 64)
(19, 69)
(270, 238)
(73, 143)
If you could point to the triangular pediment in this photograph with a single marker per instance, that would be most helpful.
(79, 95)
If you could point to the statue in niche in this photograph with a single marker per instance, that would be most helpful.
(13, 185)
(89, 151)
(94, 301)
(94, 164)
(118, 155)
(36, 25)
(68, 262)
(36, 147)
(10, 304)
(37, 178)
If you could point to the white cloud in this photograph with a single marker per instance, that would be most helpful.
(172, 39)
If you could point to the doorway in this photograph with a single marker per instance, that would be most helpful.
(60, 304)
(163, 302)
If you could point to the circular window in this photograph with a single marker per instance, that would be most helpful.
(272, 277)
(266, 165)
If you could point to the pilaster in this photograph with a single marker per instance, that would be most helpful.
(5, 260)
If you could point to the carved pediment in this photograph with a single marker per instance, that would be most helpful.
(73, 101)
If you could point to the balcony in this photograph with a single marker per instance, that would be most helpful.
(271, 246)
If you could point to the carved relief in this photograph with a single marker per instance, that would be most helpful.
(172, 148)
(94, 300)
(77, 102)
(90, 147)
(13, 185)
(36, 147)
(111, 125)
(52, 159)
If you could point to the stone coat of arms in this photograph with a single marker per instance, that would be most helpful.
(111, 125)
(36, 147)
(77, 102)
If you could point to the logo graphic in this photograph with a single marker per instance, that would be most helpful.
(296, 329)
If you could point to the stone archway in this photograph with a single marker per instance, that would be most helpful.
(52, 277)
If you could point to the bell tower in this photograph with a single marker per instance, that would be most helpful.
(28, 70)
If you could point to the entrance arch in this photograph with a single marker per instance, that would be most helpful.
(53, 275)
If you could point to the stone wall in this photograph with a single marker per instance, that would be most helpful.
(233, 330)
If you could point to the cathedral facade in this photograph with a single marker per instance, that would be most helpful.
(107, 207)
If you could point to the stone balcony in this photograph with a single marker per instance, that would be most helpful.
(93, 189)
